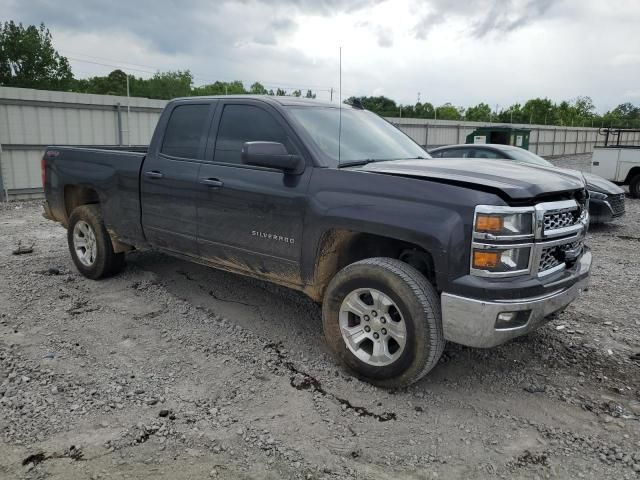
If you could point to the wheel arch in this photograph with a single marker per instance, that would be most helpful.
(339, 247)
(76, 195)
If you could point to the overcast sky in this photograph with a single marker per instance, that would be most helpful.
(458, 51)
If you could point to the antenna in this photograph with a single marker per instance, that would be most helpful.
(340, 108)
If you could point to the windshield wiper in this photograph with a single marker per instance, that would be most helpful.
(357, 163)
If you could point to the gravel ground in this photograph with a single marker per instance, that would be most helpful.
(172, 370)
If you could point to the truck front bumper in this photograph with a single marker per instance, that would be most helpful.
(472, 322)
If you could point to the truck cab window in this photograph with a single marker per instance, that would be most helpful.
(185, 131)
(246, 123)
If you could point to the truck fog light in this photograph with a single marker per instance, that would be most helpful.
(506, 320)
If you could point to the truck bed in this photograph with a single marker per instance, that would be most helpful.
(111, 171)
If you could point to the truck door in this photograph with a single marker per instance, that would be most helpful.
(251, 218)
(169, 178)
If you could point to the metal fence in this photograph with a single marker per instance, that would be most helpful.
(32, 119)
(544, 140)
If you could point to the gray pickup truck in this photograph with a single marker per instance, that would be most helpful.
(403, 251)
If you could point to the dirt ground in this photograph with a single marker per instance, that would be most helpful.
(173, 370)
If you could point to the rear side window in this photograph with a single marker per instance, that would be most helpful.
(457, 153)
(185, 131)
(482, 153)
(246, 123)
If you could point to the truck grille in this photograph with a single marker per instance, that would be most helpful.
(617, 204)
(553, 256)
(555, 220)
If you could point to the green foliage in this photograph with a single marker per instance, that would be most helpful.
(449, 112)
(258, 89)
(219, 88)
(28, 59)
(479, 113)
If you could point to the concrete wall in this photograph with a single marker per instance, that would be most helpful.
(32, 119)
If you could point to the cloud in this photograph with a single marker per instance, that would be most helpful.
(505, 17)
(625, 59)
(175, 27)
(384, 36)
(427, 23)
(482, 17)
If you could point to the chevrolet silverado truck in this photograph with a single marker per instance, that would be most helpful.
(404, 252)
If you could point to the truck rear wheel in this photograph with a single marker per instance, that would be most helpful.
(90, 244)
(382, 319)
(634, 187)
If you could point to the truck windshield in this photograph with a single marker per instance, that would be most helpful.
(365, 137)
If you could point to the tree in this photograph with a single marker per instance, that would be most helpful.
(280, 92)
(296, 93)
(584, 106)
(539, 110)
(424, 110)
(220, 88)
(258, 89)
(28, 59)
(479, 113)
(449, 112)
(381, 105)
(310, 94)
(113, 84)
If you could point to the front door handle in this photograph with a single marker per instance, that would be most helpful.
(211, 182)
(154, 174)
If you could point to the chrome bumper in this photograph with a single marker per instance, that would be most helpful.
(471, 322)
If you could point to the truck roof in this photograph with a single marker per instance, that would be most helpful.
(273, 99)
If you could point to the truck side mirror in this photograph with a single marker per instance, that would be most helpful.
(271, 155)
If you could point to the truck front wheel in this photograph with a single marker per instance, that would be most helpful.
(90, 244)
(382, 319)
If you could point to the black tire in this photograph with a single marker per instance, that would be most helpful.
(107, 262)
(419, 305)
(634, 187)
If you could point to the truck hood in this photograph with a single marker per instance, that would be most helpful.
(516, 180)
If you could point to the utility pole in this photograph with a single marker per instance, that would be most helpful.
(331, 95)
(400, 111)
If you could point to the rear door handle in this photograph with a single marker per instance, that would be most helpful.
(211, 182)
(154, 174)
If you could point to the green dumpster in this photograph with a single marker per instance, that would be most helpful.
(518, 137)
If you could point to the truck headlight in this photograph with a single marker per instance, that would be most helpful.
(597, 195)
(495, 222)
(506, 261)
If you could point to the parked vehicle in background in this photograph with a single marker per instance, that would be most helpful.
(618, 159)
(606, 199)
(404, 252)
